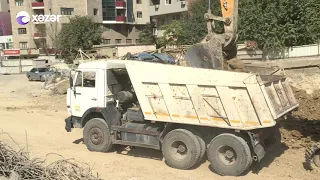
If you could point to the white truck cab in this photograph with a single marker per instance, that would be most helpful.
(182, 111)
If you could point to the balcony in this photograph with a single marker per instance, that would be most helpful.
(121, 19)
(37, 5)
(121, 4)
(38, 35)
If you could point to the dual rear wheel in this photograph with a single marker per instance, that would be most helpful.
(183, 149)
(228, 154)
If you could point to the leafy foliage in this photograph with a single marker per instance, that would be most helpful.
(274, 24)
(82, 32)
(146, 36)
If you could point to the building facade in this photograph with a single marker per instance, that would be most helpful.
(163, 12)
(122, 20)
(4, 6)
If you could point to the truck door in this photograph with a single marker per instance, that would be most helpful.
(85, 92)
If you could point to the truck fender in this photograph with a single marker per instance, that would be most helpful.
(110, 114)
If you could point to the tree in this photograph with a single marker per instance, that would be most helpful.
(274, 24)
(48, 35)
(80, 33)
(172, 34)
(146, 36)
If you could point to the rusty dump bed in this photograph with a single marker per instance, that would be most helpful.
(210, 97)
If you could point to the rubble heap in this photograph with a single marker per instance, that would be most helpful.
(58, 82)
(16, 165)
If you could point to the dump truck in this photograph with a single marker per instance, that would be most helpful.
(186, 112)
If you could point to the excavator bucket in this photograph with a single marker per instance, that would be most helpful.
(205, 55)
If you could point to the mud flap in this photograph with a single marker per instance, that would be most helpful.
(263, 141)
(68, 125)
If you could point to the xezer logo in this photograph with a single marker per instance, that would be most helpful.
(23, 18)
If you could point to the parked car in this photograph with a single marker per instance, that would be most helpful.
(39, 73)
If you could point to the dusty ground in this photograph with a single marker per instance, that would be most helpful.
(24, 111)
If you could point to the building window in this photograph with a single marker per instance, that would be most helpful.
(161, 22)
(137, 41)
(176, 17)
(106, 41)
(22, 31)
(139, 2)
(23, 45)
(118, 41)
(167, 2)
(19, 2)
(67, 11)
(95, 11)
(129, 41)
(139, 14)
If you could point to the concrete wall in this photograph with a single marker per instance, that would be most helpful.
(174, 7)
(144, 8)
(121, 31)
(295, 52)
(12, 66)
(4, 6)
(91, 4)
(123, 50)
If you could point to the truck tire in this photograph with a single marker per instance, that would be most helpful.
(181, 149)
(96, 135)
(229, 155)
(202, 145)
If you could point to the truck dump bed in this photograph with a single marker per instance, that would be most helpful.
(210, 97)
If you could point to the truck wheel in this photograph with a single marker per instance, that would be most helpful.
(229, 155)
(202, 145)
(96, 135)
(181, 149)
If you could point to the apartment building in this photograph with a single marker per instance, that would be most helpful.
(122, 20)
(4, 6)
(163, 12)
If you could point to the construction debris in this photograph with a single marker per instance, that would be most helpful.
(16, 165)
(58, 83)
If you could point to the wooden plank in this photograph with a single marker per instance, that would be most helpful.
(229, 106)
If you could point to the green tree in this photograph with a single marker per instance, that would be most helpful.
(172, 34)
(80, 33)
(274, 24)
(146, 36)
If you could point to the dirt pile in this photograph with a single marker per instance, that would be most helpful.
(302, 128)
(309, 105)
(299, 133)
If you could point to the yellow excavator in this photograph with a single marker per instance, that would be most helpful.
(215, 49)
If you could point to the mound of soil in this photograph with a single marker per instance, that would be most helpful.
(309, 105)
(299, 133)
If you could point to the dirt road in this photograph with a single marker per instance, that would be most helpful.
(23, 108)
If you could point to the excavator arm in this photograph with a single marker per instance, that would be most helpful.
(215, 48)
